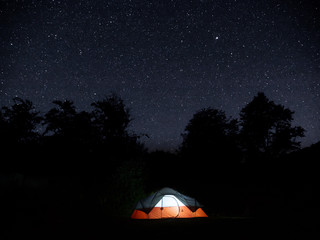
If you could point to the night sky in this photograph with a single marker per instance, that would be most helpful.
(166, 59)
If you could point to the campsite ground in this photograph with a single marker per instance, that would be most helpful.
(218, 228)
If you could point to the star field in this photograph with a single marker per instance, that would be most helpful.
(166, 59)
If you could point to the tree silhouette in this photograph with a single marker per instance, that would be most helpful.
(18, 124)
(266, 129)
(111, 117)
(64, 122)
(211, 135)
(59, 121)
(18, 134)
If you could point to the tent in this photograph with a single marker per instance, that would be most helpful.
(168, 203)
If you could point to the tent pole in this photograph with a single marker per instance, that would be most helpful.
(161, 206)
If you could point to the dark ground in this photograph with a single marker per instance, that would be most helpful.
(213, 228)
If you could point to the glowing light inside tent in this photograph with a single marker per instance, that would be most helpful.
(169, 201)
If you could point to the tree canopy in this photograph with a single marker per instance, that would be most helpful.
(264, 131)
(210, 133)
(266, 128)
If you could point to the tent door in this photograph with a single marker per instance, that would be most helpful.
(169, 207)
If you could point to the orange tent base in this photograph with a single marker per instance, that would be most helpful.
(168, 212)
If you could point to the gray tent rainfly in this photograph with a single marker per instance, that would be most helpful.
(167, 203)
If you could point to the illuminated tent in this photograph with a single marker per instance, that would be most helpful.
(168, 203)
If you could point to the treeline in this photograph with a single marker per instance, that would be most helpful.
(91, 161)
(264, 131)
(85, 160)
(65, 140)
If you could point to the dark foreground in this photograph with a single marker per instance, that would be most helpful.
(212, 228)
